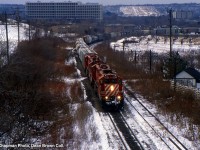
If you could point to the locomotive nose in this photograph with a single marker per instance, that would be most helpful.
(119, 97)
(112, 88)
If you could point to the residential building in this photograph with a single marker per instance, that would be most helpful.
(189, 77)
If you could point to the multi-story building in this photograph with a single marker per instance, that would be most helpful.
(12, 10)
(64, 11)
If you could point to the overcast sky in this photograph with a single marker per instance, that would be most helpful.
(106, 2)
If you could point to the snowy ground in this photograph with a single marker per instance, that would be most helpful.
(159, 47)
(13, 35)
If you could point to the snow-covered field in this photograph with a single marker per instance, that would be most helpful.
(13, 35)
(159, 47)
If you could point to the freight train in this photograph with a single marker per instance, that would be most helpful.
(106, 83)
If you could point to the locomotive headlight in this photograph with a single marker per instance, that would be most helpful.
(106, 97)
(112, 88)
(119, 97)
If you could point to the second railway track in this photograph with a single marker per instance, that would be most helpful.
(153, 124)
(127, 133)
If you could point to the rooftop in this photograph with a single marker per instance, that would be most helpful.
(194, 73)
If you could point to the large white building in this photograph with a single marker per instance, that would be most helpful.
(63, 11)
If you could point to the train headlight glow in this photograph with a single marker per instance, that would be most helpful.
(119, 97)
(106, 97)
(112, 88)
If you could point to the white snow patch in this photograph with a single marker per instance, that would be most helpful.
(139, 11)
(72, 80)
(13, 35)
(96, 136)
(70, 62)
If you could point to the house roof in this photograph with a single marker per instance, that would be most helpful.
(194, 73)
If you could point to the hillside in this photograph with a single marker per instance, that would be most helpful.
(139, 11)
(151, 10)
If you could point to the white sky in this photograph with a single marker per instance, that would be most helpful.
(106, 2)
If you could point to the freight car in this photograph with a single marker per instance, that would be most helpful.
(106, 83)
(90, 39)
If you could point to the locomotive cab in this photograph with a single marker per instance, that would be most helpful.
(110, 90)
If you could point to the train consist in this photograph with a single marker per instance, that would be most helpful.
(105, 82)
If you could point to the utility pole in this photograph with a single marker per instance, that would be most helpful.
(135, 58)
(170, 34)
(29, 30)
(114, 48)
(175, 61)
(7, 42)
(150, 59)
(170, 39)
(123, 46)
(18, 19)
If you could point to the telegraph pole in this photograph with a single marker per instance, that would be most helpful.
(29, 30)
(175, 73)
(18, 18)
(7, 42)
(170, 34)
(150, 60)
(135, 58)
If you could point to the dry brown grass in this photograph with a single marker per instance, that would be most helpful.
(32, 86)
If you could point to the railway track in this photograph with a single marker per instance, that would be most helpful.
(125, 133)
(168, 139)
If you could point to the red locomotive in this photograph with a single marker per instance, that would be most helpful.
(106, 83)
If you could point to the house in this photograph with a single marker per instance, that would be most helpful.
(189, 77)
